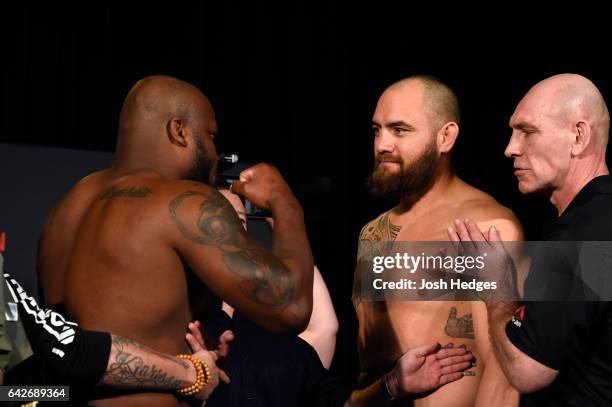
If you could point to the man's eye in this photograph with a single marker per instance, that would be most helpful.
(213, 135)
(399, 130)
(375, 130)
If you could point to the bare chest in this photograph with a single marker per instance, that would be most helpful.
(432, 227)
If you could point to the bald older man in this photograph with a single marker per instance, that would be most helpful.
(558, 353)
(130, 248)
(415, 125)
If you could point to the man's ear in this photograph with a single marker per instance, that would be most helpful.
(581, 138)
(177, 133)
(446, 137)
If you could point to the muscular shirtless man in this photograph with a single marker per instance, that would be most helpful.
(415, 124)
(149, 236)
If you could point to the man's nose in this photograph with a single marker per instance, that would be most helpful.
(383, 143)
(513, 149)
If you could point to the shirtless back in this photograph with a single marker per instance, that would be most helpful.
(128, 248)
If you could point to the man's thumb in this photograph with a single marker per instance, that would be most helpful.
(237, 187)
(427, 349)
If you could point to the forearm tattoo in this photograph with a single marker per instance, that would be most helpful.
(264, 279)
(127, 368)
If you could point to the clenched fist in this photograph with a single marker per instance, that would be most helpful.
(264, 186)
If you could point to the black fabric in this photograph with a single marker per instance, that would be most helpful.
(574, 337)
(62, 351)
(81, 372)
(214, 328)
(87, 361)
(31, 372)
(269, 369)
(554, 273)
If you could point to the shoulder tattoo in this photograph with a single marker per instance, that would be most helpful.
(125, 192)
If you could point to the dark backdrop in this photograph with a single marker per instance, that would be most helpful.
(296, 85)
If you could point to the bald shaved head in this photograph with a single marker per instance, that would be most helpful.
(440, 101)
(415, 125)
(568, 99)
(156, 99)
(168, 123)
(559, 137)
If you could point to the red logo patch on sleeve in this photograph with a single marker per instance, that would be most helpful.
(519, 315)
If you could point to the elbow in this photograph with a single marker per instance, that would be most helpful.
(300, 313)
(295, 317)
(327, 324)
(525, 386)
(290, 316)
(334, 326)
(529, 381)
(329, 329)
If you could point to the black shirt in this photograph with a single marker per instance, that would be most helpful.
(269, 369)
(574, 337)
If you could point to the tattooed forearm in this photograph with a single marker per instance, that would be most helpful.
(131, 366)
(127, 192)
(265, 279)
(261, 284)
(459, 327)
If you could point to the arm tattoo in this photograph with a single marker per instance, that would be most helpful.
(127, 192)
(459, 327)
(128, 369)
(371, 240)
(375, 233)
(380, 229)
(264, 279)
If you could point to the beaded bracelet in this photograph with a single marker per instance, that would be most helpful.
(202, 378)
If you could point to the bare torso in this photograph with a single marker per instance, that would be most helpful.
(389, 329)
(105, 256)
